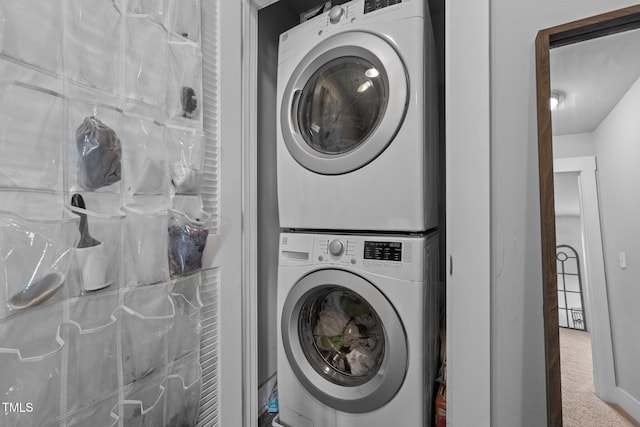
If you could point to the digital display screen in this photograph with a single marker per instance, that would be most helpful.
(383, 251)
(373, 5)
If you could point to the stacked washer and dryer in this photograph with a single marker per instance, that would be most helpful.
(358, 201)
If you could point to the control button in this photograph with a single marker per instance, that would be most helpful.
(320, 258)
(353, 260)
(335, 14)
(336, 247)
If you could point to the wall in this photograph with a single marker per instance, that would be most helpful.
(617, 148)
(573, 145)
(272, 21)
(517, 346)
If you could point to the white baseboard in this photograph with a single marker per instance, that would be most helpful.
(627, 402)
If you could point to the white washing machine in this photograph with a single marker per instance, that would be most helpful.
(357, 119)
(358, 330)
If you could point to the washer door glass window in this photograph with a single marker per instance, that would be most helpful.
(341, 105)
(344, 340)
(342, 336)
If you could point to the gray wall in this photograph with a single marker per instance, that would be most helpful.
(517, 346)
(272, 21)
(618, 151)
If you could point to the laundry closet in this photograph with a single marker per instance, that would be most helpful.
(327, 229)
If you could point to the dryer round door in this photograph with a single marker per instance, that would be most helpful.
(344, 103)
(344, 341)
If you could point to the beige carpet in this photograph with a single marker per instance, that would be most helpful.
(580, 406)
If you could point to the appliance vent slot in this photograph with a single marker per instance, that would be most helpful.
(211, 109)
(208, 416)
(210, 33)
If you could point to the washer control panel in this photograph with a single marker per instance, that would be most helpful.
(373, 5)
(378, 252)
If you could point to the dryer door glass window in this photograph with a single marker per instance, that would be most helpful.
(341, 104)
(342, 336)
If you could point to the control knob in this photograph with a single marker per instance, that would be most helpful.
(335, 14)
(336, 247)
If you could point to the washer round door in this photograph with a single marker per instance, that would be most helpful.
(344, 341)
(344, 103)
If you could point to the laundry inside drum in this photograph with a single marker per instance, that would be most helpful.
(342, 336)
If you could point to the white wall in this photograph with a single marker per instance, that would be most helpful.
(573, 145)
(272, 21)
(517, 380)
(618, 151)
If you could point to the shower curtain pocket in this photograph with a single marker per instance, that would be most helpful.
(143, 404)
(93, 48)
(184, 336)
(145, 332)
(27, 26)
(94, 146)
(145, 156)
(99, 266)
(34, 259)
(184, 19)
(93, 364)
(98, 414)
(146, 62)
(184, 99)
(187, 241)
(94, 263)
(30, 119)
(94, 311)
(31, 386)
(186, 159)
(183, 389)
(146, 245)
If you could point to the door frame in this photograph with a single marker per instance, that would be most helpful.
(468, 236)
(596, 288)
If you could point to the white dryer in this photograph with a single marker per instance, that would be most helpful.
(358, 328)
(357, 119)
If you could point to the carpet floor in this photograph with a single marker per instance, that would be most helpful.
(580, 406)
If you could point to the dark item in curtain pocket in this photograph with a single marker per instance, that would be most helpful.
(99, 152)
(186, 246)
(188, 102)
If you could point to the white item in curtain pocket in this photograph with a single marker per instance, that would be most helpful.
(186, 178)
(100, 152)
(187, 240)
(90, 253)
(186, 153)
